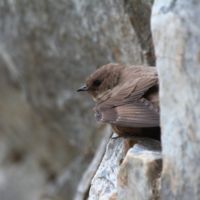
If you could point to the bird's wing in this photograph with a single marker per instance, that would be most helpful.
(129, 115)
(125, 105)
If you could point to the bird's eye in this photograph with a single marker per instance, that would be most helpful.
(97, 83)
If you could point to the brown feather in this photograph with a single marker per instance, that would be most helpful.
(127, 98)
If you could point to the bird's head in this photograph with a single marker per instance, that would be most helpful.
(102, 80)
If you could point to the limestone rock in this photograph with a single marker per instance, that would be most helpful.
(139, 174)
(47, 48)
(134, 176)
(104, 183)
(176, 33)
(139, 12)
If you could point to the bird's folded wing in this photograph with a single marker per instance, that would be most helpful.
(126, 107)
(129, 115)
(129, 91)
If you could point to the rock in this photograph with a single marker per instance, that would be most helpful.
(135, 175)
(85, 183)
(47, 49)
(104, 183)
(139, 173)
(176, 34)
(139, 12)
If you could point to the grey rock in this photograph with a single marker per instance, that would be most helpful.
(47, 48)
(176, 34)
(132, 175)
(139, 173)
(139, 12)
(104, 183)
(85, 182)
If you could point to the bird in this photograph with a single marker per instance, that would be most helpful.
(126, 97)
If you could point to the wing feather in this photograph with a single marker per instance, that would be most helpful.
(125, 105)
(130, 115)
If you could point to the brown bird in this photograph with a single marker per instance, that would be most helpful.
(127, 98)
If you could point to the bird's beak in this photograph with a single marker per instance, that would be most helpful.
(82, 88)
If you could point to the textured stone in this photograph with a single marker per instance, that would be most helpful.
(176, 33)
(139, 12)
(85, 182)
(135, 175)
(139, 173)
(104, 183)
(47, 48)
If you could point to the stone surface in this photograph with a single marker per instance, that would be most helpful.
(139, 173)
(133, 175)
(176, 33)
(85, 182)
(139, 12)
(104, 183)
(47, 48)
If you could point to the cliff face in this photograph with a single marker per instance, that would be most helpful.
(139, 173)
(128, 175)
(47, 48)
(48, 134)
(176, 33)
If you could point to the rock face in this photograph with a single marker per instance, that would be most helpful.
(139, 12)
(133, 175)
(139, 174)
(176, 33)
(47, 48)
(104, 183)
